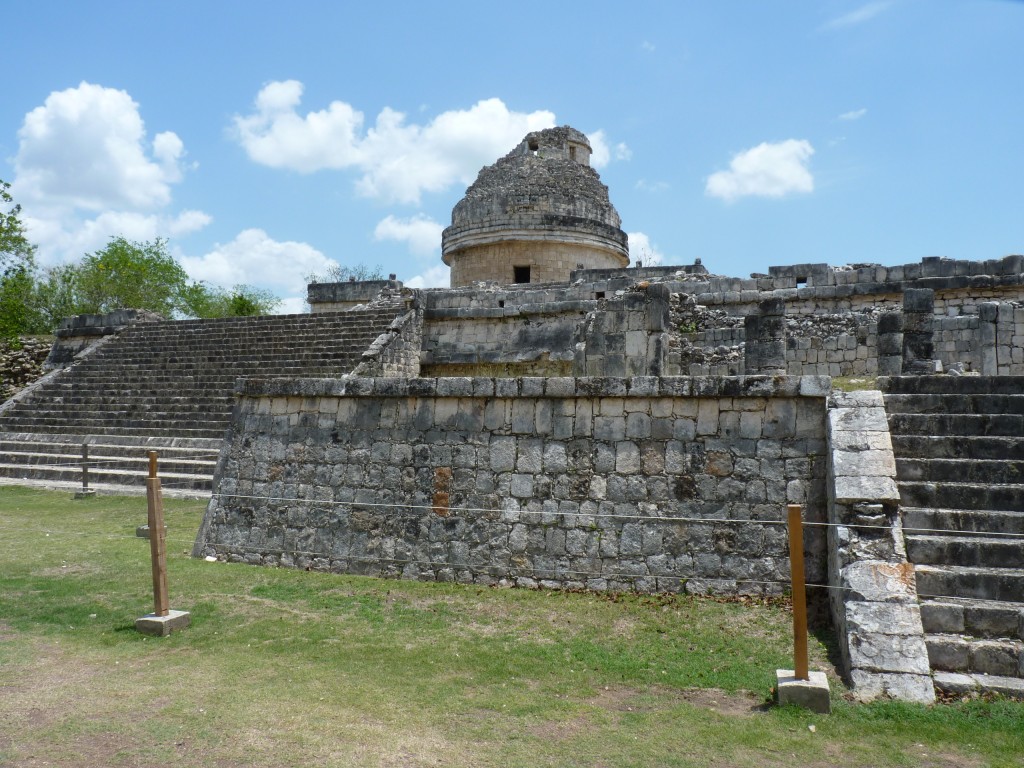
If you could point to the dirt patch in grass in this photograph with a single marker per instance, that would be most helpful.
(73, 569)
(621, 699)
(738, 704)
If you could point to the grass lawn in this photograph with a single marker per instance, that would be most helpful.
(288, 668)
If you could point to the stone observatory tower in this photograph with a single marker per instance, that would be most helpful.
(534, 216)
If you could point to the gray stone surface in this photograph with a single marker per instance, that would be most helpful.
(604, 500)
(161, 626)
(812, 694)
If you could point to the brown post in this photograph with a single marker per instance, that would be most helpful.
(85, 468)
(799, 586)
(157, 547)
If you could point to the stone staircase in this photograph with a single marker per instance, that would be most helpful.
(168, 386)
(959, 447)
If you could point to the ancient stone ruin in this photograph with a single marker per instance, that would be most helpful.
(598, 427)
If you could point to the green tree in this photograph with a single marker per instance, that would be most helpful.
(54, 297)
(339, 273)
(17, 310)
(131, 275)
(204, 301)
(15, 248)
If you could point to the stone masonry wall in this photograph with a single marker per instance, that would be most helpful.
(395, 352)
(21, 363)
(550, 332)
(549, 260)
(650, 484)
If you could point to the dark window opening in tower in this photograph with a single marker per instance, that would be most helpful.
(521, 274)
(572, 153)
(533, 145)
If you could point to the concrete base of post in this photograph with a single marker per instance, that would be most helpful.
(161, 626)
(810, 694)
(86, 494)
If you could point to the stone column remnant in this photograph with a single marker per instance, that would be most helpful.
(890, 344)
(765, 349)
(988, 316)
(918, 322)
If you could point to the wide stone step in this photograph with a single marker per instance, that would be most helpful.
(977, 618)
(1010, 448)
(989, 471)
(210, 427)
(962, 495)
(986, 385)
(1004, 584)
(977, 550)
(957, 653)
(176, 431)
(137, 462)
(922, 520)
(962, 684)
(41, 472)
(183, 445)
(952, 404)
(1000, 424)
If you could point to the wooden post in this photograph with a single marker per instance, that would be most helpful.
(85, 467)
(799, 586)
(157, 546)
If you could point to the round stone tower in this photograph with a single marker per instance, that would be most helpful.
(534, 216)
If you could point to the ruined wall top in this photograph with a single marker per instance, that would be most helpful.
(548, 172)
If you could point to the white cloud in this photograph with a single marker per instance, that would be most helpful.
(85, 148)
(643, 250)
(292, 305)
(420, 232)
(86, 171)
(63, 237)
(435, 277)
(855, 114)
(651, 186)
(864, 13)
(254, 258)
(398, 160)
(767, 170)
(648, 46)
(602, 150)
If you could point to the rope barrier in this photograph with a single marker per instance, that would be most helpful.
(536, 572)
(624, 517)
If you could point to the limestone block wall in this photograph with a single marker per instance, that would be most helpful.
(551, 331)
(396, 352)
(818, 297)
(626, 336)
(647, 483)
(550, 260)
(338, 297)
(502, 332)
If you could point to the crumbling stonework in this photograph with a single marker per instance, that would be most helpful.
(534, 216)
(653, 484)
(21, 364)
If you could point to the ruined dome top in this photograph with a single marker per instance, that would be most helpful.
(547, 173)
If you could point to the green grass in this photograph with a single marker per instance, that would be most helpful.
(288, 668)
(854, 383)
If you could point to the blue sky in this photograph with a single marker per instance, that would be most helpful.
(267, 142)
